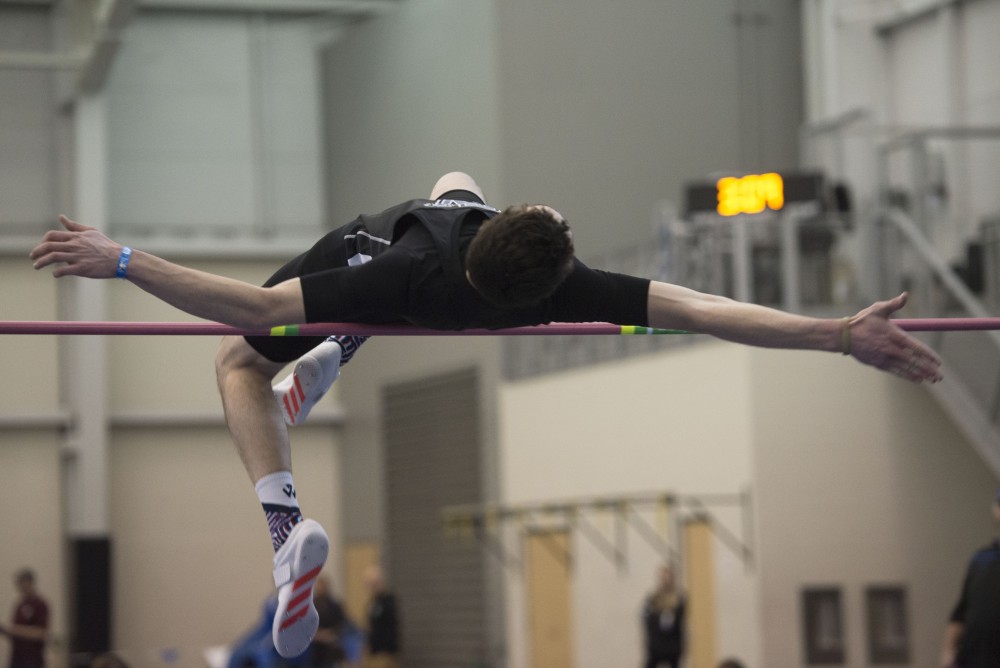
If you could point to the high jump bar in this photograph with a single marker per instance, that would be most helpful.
(84, 327)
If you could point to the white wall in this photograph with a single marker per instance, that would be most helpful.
(31, 497)
(857, 479)
(215, 120)
(610, 109)
(192, 557)
(27, 141)
(979, 51)
(31, 360)
(676, 421)
(30, 461)
(860, 480)
(411, 95)
(31, 500)
(601, 112)
(186, 524)
(920, 75)
(935, 71)
(172, 374)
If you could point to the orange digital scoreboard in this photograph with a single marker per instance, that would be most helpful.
(750, 194)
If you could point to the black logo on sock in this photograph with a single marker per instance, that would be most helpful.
(289, 491)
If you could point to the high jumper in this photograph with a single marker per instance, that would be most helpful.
(448, 262)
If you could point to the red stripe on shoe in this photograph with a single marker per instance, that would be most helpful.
(288, 409)
(298, 386)
(294, 618)
(295, 401)
(307, 578)
(295, 602)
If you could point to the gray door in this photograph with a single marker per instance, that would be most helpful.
(432, 459)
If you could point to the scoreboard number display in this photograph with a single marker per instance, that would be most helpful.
(751, 194)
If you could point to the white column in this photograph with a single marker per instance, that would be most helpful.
(84, 362)
(742, 261)
(791, 273)
(812, 44)
(821, 52)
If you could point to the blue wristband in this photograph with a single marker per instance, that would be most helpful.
(123, 262)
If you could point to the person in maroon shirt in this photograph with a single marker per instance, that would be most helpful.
(30, 625)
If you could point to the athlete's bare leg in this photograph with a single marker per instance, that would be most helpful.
(255, 423)
(258, 430)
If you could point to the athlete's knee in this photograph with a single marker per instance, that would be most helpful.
(235, 355)
(224, 358)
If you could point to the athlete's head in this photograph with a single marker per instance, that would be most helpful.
(520, 256)
(24, 580)
(373, 578)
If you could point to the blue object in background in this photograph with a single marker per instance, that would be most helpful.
(256, 649)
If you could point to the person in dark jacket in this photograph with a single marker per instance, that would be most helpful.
(972, 638)
(663, 622)
(383, 622)
(327, 647)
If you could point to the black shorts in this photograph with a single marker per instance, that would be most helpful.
(348, 245)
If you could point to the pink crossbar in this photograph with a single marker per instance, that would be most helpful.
(77, 327)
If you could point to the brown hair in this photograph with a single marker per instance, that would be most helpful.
(520, 256)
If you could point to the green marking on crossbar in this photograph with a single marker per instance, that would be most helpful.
(631, 330)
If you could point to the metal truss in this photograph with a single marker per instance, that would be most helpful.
(500, 528)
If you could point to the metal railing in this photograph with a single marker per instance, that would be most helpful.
(971, 392)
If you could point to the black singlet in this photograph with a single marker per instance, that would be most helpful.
(419, 279)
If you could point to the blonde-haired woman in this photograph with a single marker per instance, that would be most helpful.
(663, 622)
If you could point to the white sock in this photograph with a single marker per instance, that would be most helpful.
(276, 492)
(277, 489)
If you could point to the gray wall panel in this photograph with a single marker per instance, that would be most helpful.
(608, 107)
(432, 460)
(27, 117)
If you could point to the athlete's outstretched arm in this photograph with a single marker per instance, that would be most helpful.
(79, 250)
(869, 335)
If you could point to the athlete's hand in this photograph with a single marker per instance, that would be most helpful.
(875, 340)
(78, 250)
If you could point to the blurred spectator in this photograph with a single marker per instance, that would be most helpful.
(972, 638)
(256, 648)
(327, 649)
(663, 622)
(383, 622)
(30, 626)
(731, 663)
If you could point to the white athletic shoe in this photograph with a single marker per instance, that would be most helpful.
(297, 563)
(313, 375)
